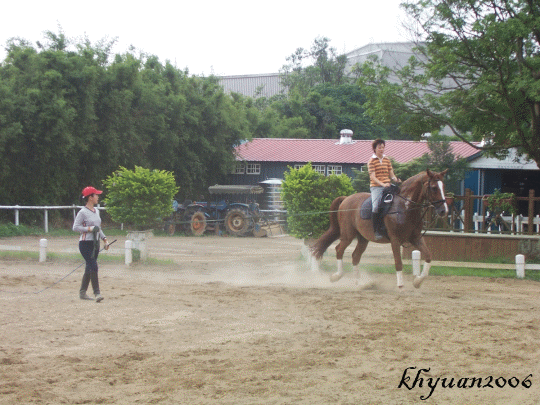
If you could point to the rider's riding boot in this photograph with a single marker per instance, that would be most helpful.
(376, 217)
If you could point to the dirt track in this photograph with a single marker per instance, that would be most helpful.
(244, 321)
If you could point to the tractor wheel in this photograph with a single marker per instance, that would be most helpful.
(197, 224)
(237, 222)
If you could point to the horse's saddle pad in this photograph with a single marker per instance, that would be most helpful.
(365, 209)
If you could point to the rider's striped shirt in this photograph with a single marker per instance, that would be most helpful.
(381, 167)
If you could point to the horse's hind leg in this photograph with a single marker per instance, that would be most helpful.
(340, 249)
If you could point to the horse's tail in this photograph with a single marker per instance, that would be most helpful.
(332, 234)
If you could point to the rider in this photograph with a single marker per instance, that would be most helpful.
(380, 173)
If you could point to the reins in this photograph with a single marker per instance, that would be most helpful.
(419, 205)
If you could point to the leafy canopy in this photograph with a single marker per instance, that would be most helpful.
(141, 197)
(85, 111)
(477, 73)
(307, 195)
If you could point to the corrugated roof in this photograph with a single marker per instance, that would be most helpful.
(330, 150)
(260, 85)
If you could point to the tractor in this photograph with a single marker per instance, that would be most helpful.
(226, 213)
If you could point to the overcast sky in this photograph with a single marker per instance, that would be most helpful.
(229, 37)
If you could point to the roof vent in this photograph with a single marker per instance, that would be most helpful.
(345, 136)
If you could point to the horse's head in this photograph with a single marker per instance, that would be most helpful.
(435, 192)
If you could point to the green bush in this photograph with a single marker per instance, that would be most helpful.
(9, 229)
(307, 196)
(140, 198)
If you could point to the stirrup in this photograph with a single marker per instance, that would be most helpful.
(388, 198)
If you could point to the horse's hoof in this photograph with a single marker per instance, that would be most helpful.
(417, 282)
(335, 277)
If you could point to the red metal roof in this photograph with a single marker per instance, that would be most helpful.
(330, 150)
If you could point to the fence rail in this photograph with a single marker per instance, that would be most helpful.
(46, 209)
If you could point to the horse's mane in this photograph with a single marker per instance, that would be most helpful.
(411, 181)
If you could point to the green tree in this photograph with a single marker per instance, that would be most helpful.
(71, 112)
(478, 74)
(307, 196)
(139, 198)
(320, 64)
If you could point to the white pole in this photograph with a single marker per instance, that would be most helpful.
(129, 255)
(520, 266)
(416, 263)
(46, 221)
(42, 250)
(16, 217)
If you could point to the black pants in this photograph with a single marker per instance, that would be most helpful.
(86, 247)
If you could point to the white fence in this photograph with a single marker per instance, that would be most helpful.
(516, 222)
(521, 266)
(46, 209)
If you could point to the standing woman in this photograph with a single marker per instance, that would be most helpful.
(88, 223)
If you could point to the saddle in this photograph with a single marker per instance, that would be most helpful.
(384, 207)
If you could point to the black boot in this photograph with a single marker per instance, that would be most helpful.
(84, 286)
(95, 285)
(376, 217)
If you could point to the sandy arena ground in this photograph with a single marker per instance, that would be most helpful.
(244, 321)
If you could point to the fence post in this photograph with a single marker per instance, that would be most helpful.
(530, 224)
(42, 250)
(46, 221)
(520, 266)
(129, 252)
(16, 216)
(468, 207)
(415, 262)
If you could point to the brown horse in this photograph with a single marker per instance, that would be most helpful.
(403, 224)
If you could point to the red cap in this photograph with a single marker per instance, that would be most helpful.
(89, 191)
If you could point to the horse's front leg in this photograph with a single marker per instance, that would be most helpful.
(421, 245)
(396, 250)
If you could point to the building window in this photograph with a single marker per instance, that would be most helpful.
(239, 169)
(334, 170)
(253, 168)
(298, 167)
(320, 169)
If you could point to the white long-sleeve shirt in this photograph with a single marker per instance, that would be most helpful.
(87, 218)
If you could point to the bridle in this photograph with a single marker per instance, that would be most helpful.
(423, 204)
